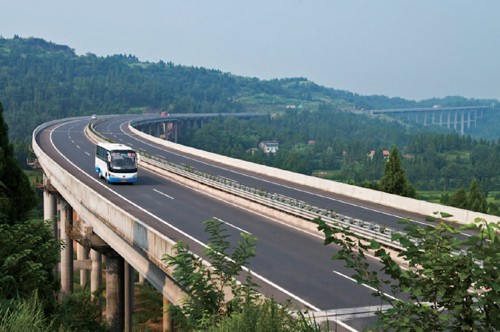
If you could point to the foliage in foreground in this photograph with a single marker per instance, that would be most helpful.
(205, 304)
(268, 316)
(444, 292)
(78, 313)
(28, 255)
(205, 308)
(24, 315)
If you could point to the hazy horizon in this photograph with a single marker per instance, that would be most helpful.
(410, 50)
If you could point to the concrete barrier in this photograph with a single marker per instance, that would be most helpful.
(368, 195)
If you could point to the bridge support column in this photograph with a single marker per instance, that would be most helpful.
(463, 123)
(468, 120)
(150, 127)
(67, 252)
(425, 119)
(157, 132)
(441, 119)
(168, 323)
(82, 253)
(142, 279)
(449, 116)
(175, 125)
(50, 213)
(456, 120)
(96, 274)
(114, 293)
(129, 296)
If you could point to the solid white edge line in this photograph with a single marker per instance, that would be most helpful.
(370, 287)
(159, 192)
(177, 229)
(229, 224)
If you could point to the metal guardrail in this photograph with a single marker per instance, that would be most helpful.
(297, 208)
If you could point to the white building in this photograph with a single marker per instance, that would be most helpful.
(269, 146)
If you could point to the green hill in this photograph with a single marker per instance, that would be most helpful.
(41, 81)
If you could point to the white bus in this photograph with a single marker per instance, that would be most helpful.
(116, 162)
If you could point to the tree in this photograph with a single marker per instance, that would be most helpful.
(19, 198)
(28, 255)
(459, 199)
(451, 284)
(394, 180)
(205, 304)
(477, 201)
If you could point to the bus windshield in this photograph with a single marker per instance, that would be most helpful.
(122, 160)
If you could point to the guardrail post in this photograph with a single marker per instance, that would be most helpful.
(67, 252)
(129, 296)
(114, 292)
(96, 274)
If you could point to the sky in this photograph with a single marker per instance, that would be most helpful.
(409, 49)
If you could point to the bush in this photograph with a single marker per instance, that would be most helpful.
(23, 315)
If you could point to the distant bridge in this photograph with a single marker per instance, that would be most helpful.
(457, 117)
(169, 125)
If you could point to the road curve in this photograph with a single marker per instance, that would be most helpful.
(290, 263)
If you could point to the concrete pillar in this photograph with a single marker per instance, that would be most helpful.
(175, 131)
(167, 321)
(463, 123)
(50, 213)
(456, 120)
(201, 123)
(150, 127)
(441, 119)
(96, 274)
(425, 118)
(165, 131)
(449, 114)
(157, 133)
(142, 279)
(67, 252)
(115, 304)
(129, 296)
(82, 253)
(468, 120)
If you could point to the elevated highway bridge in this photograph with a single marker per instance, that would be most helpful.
(458, 118)
(133, 226)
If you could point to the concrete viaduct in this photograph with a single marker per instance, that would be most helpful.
(170, 126)
(133, 227)
(458, 118)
